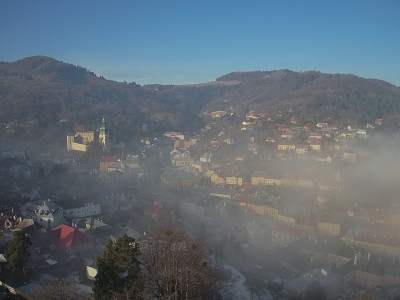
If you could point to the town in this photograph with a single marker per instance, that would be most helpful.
(282, 203)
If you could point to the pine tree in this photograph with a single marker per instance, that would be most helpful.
(17, 254)
(117, 268)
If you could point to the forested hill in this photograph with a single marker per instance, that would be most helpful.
(41, 90)
(312, 93)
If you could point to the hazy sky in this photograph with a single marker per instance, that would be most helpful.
(190, 41)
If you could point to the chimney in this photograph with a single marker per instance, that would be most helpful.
(369, 255)
(355, 259)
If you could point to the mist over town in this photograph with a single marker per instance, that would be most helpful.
(260, 185)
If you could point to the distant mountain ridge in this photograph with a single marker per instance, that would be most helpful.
(45, 90)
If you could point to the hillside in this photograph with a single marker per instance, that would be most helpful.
(44, 91)
(40, 90)
(311, 93)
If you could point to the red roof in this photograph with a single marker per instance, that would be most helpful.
(243, 198)
(70, 237)
(109, 159)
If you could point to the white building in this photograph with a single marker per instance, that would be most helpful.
(88, 210)
(45, 213)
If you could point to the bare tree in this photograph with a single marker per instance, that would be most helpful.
(175, 267)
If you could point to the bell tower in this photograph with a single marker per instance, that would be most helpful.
(103, 136)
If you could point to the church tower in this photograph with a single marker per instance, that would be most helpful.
(103, 136)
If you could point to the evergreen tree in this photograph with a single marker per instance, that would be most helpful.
(117, 269)
(17, 254)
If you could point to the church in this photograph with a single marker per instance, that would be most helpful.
(82, 140)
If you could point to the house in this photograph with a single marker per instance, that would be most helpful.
(87, 210)
(284, 234)
(286, 145)
(258, 178)
(282, 127)
(315, 145)
(234, 178)
(326, 132)
(45, 213)
(329, 225)
(184, 143)
(239, 157)
(175, 135)
(317, 135)
(71, 239)
(302, 148)
(331, 282)
(132, 161)
(206, 157)
(384, 244)
(272, 179)
(217, 179)
(181, 157)
(309, 126)
(106, 162)
(180, 177)
(270, 140)
(287, 134)
(222, 193)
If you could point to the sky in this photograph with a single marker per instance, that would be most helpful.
(177, 42)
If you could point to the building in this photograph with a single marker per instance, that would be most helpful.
(329, 226)
(284, 234)
(45, 213)
(330, 282)
(71, 239)
(258, 178)
(180, 178)
(103, 136)
(88, 210)
(374, 242)
(82, 140)
(106, 162)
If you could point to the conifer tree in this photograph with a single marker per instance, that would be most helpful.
(17, 254)
(117, 269)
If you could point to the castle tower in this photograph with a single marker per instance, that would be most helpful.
(70, 140)
(103, 136)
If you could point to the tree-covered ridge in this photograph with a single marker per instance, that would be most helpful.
(43, 91)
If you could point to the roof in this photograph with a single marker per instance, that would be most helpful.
(70, 237)
(379, 238)
(288, 230)
(109, 159)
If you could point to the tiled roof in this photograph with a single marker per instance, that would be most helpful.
(109, 159)
(288, 230)
(70, 237)
(378, 238)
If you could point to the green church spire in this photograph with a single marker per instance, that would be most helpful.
(103, 126)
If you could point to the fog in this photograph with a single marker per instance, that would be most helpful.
(264, 236)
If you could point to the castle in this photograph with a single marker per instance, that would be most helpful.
(82, 140)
